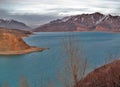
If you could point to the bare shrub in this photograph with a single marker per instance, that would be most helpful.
(75, 65)
(23, 82)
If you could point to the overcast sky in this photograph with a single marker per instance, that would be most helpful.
(37, 12)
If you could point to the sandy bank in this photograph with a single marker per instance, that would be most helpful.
(26, 51)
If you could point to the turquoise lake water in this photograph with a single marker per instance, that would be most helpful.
(39, 67)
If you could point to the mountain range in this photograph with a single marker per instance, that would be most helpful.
(84, 22)
(13, 24)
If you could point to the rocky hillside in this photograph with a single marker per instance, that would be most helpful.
(13, 24)
(105, 76)
(20, 33)
(83, 22)
(10, 42)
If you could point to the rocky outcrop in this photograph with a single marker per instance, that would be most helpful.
(11, 44)
(105, 76)
(84, 22)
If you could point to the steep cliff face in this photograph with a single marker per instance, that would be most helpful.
(84, 22)
(105, 76)
(11, 42)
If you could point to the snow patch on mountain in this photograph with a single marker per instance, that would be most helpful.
(65, 19)
(13, 24)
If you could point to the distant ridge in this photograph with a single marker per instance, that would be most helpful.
(13, 24)
(17, 32)
(84, 22)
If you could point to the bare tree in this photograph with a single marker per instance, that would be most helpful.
(75, 65)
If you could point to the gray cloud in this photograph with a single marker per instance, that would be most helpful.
(32, 20)
(68, 9)
(35, 20)
(3, 12)
(47, 10)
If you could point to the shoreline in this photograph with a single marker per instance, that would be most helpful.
(21, 52)
(76, 31)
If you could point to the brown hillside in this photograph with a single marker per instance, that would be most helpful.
(105, 76)
(11, 44)
(20, 33)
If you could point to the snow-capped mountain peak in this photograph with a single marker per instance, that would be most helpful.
(84, 22)
(13, 24)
